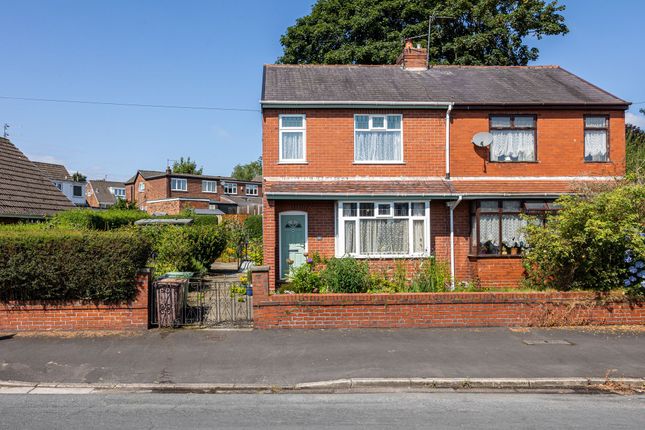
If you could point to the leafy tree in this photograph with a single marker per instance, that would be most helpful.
(482, 32)
(79, 177)
(246, 172)
(635, 150)
(186, 166)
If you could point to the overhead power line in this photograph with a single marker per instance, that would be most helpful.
(141, 105)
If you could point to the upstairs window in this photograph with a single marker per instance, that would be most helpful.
(142, 187)
(78, 191)
(513, 138)
(178, 184)
(209, 186)
(251, 190)
(292, 138)
(119, 192)
(378, 139)
(230, 187)
(596, 133)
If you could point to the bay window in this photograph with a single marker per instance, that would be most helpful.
(378, 139)
(596, 133)
(292, 138)
(384, 229)
(513, 138)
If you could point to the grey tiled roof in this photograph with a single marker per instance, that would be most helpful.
(462, 85)
(56, 172)
(24, 190)
(102, 192)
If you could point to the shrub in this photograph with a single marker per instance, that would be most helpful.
(96, 220)
(584, 245)
(54, 264)
(345, 275)
(433, 276)
(253, 227)
(185, 248)
(304, 279)
(256, 252)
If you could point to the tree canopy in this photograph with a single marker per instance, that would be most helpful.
(186, 166)
(635, 150)
(481, 32)
(79, 177)
(246, 172)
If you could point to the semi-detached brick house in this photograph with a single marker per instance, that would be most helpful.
(378, 162)
(170, 193)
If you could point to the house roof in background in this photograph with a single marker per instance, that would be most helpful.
(102, 192)
(24, 189)
(461, 85)
(55, 172)
(152, 174)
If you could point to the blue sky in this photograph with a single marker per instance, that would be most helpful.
(209, 53)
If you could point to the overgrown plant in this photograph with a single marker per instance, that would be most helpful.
(345, 275)
(432, 276)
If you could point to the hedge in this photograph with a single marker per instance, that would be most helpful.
(65, 265)
(97, 220)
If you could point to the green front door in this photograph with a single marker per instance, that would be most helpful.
(293, 241)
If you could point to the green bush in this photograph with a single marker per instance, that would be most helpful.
(304, 279)
(584, 245)
(97, 220)
(253, 227)
(190, 248)
(432, 276)
(54, 264)
(345, 275)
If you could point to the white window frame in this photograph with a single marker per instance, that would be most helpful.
(119, 194)
(282, 130)
(384, 128)
(142, 187)
(226, 184)
(340, 229)
(254, 187)
(205, 188)
(175, 181)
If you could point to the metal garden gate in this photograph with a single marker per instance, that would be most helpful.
(200, 302)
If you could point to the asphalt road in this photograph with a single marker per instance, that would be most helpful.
(293, 356)
(311, 411)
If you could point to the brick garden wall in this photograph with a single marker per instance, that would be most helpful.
(421, 310)
(50, 316)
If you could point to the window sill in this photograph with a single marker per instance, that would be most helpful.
(513, 162)
(179, 191)
(493, 256)
(293, 162)
(379, 162)
(387, 257)
(599, 162)
(209, 192)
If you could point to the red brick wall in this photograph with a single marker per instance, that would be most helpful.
(318, 311)
(330, 145)
(498, 272)
(48, 316)
(173, 207)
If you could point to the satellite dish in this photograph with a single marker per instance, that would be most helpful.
(482, 139)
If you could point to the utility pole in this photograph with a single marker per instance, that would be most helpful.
(5, 134)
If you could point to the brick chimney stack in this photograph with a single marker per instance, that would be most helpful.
(413, 58)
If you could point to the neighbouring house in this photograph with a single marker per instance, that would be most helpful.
(103, 194)
(60, 177)
(25, 193)
(169, 193)
(378, 162)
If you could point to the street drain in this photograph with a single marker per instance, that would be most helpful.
(547, 342)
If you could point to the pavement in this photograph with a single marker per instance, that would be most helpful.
(337, 411)
(284, 358)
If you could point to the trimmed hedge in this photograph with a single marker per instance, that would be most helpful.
(64, 265)
(97, 220)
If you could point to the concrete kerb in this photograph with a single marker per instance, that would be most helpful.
(636, 385)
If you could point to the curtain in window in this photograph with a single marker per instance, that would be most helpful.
(512, 230)
(378, 146)
(292, 147)
(513, 145)
(384, 236)
(350, 237)
(489, 230)
(418, 236)
(596, 145)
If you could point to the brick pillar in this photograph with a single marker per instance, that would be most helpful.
(260, 282)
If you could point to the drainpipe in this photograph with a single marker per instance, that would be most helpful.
(448, 140)
(452, 205)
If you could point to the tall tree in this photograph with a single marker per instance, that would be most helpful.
(186, 166)
(247, 172)
(481, 32)
(635, 151)
(79, 177)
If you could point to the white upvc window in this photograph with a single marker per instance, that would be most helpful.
(293, 139)
(251, 190)
(230, 187)
(596, 138)
(118, 192)
(209, 186)
(378, 139)
(142, 187)
(393, 229)
(179, 184)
